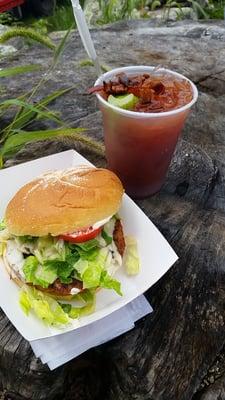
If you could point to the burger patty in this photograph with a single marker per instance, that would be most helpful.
(118, 237)
(61, 289)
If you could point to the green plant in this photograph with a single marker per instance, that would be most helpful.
(6, 18)
(199, 11)
(27, 33)
(62, 19)
(26, 109)
(114, 10)
(198, 8)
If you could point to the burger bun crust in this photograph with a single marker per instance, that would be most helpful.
(61, 202)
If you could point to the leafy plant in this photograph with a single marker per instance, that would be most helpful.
(114, 10)
(6, 18)
(27, 109)
(198, 8)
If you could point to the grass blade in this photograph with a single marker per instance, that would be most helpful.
(4, 73)
(14, 142)
(60, 47)
(54, 95)
(31, 110)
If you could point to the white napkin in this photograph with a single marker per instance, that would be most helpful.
(58, 350)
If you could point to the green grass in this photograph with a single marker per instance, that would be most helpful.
(216, 10)
(61, 20)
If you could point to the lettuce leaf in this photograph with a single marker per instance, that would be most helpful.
(88, 297)
(87, 246)
(131, 259)
(36, 274)
(29, 268)
(81, 266)
(91, 276)
(87, 250)
(50, 248)
(61, 269)
(45, 308)
(2, 225)
(108, 239)
(107, 282)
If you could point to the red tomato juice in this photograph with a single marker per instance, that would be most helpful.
(140, 146)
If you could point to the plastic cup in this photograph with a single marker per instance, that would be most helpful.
(139, 146)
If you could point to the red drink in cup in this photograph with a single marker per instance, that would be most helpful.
(140, 142)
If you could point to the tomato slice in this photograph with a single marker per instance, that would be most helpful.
(83, 235)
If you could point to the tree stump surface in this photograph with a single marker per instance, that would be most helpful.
(176, 353)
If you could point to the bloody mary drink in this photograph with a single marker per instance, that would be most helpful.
(143, 114)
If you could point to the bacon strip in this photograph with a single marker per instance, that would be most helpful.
(156, 93)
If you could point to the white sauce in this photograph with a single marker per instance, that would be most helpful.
(15, 258)
(100, 223)
(75, 291)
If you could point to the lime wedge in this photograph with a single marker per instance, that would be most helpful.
(126, 101)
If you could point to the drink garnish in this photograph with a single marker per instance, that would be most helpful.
(152, 93)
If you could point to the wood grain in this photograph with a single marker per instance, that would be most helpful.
(168, 354)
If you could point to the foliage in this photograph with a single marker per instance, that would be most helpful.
(62, 19)
(216, 9)
(4, 73)
(27, 33)
(114, 10)
(26, 109)
(6, 18)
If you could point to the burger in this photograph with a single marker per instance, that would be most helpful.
(62, 235)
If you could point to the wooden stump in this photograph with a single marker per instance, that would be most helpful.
(168, 354)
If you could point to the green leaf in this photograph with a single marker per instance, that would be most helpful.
(14, 142)
(61, 46)
(24, 116)
(91, 276)
(2, 225)
(89, 299)
(108, 239)
(29, 268)
(87, 246)
(36, 274)
(44, 276)
(82, 311)
(72, 258)
(54, 95)
(45, 307)
(107, 282)
(4, 73)
(87, 250)
(81, 266)
(38, 110)
(25, 302)
(131, 258)
(62, 269)
(66, 307)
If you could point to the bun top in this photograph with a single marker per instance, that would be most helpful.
(61, 202)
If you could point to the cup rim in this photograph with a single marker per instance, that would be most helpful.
(145, 68)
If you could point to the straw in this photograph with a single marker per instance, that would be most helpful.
(85, 35)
